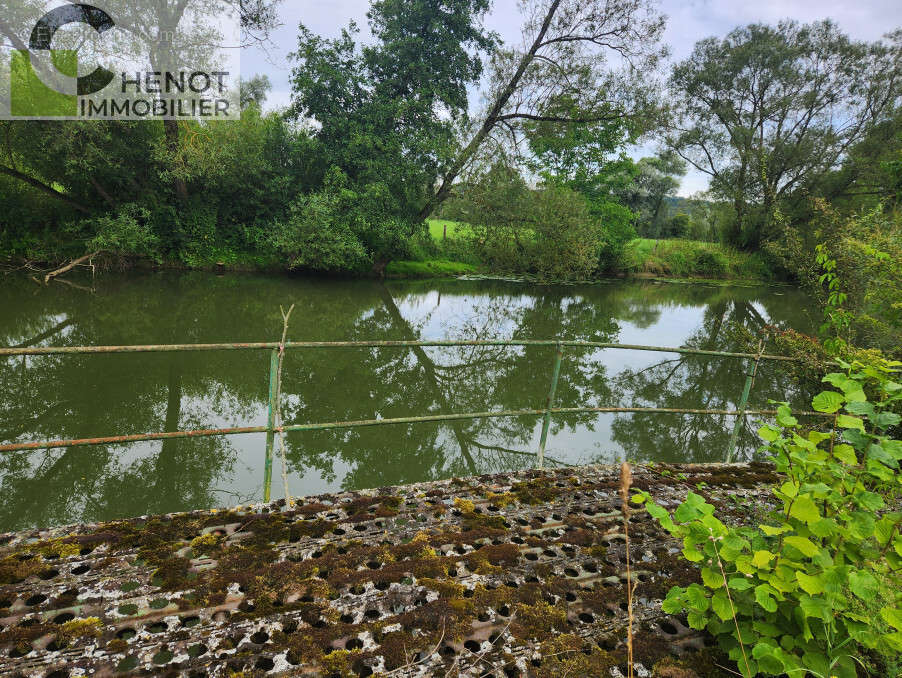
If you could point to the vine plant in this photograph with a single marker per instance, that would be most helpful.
(811, 586)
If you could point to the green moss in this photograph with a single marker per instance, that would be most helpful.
(537, 491)
(78, 628)
(537, 621)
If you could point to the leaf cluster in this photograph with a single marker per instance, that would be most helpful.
(811, 586)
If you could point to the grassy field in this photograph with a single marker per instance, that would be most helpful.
(437, 226)
(690, 258)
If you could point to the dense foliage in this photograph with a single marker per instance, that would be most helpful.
(816, 581)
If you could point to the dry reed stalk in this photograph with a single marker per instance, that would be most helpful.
(626, 479)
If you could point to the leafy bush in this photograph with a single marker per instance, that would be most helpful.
(864, 255)
(685, 258)
(711, 263)
(341, 227)
(801, 592)
(126, 232)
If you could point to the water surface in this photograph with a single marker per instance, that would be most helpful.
(79, 396)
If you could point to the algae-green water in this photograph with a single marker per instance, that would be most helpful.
(80, 396)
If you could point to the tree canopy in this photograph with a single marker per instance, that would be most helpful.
(767, 109)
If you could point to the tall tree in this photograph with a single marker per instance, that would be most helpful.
(655, 179)
(768, 108)
(581, 64)
(385, 113)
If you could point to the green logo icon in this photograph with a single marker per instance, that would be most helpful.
(30, 97)
(43, 91)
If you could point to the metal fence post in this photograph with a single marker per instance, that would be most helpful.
(549, 403)
(743, 401)
(270, 423)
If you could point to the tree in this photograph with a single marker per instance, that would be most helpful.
(561, 76)
(768, 109)
(655, 179)
(385, 113)
(549, 231)
(254, 91)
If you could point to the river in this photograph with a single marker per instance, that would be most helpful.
(77, 396)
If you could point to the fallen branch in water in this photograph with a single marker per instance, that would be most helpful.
(68, 267)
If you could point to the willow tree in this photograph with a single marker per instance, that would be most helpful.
(767, 109)
(581, 67)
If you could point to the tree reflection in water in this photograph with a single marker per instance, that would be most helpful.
(51, 397)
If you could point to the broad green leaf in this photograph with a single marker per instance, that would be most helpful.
(892, 616)
(803, 544)
(712, 579)
(690, 553)
(764, 599)
(856, 396)
(860, 408)
(789, 488)
(862, 524)
(769, 433)
(827, 401)
(721, 605)
(845, 421)
(845, 453)
(817, 437)
(739, 583)
(771, 530)
(761, 559)
(691, 509)
(815, 607)
(817, 663)
(878, 453)
(886, 528)
(804, 509)
(671, 605)
(863, 584)
(894, 447)
(894, 640)
(809, 584)
(766, 628)
(698, 597)
(785, 418)
(697, 620)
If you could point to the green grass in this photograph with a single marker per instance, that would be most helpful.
(431, 268)
(437, 226)
(692, 259)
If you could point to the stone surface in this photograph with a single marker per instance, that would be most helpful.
(519, 574)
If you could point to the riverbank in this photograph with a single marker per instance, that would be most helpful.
(447, 253)
(685, 260)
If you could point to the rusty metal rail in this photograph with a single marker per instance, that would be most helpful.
(270, 429)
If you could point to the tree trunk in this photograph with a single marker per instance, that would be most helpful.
(171, 128)
(16, 174)
(378, 268)
(491, 118)
(168, 465)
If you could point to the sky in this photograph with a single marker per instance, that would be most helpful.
(688, 21)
